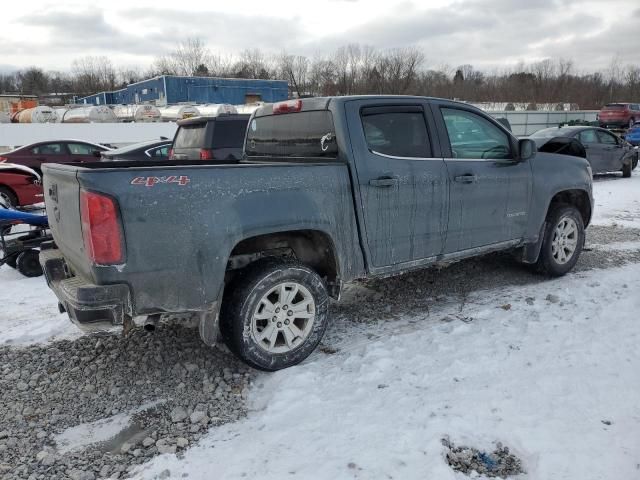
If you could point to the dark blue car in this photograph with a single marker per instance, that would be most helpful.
(633, 135)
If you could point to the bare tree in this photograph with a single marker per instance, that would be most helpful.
(93, 74)
(33, 81)
(188, 57)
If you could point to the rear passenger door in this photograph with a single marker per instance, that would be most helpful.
(490, 189)
(596, 153)
(402, 185)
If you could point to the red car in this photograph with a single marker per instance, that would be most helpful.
(619, 115)
(55, 151)
(19, 186)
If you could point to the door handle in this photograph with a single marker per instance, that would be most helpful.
(466, 178)
(384, 182)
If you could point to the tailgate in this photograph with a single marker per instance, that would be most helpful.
(62, 201)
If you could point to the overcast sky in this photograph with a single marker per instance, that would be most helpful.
(484, 33)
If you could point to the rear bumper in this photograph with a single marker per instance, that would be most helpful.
(90, 306)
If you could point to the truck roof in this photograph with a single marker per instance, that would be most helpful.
(322, 103)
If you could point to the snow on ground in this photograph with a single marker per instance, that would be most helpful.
(550, 370)
(543, 369)
(29, 311)
(103, 430)
(617, 200)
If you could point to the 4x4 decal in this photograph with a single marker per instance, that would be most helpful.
(181, 180)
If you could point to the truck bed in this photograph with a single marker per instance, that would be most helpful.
(181, 220)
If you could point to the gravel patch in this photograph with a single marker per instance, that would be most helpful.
(140, 395)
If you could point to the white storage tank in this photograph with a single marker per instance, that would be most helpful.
(249, 108)
(99, 114)
(137, 113)
(40, 114)
(178, 112)
(214, 109)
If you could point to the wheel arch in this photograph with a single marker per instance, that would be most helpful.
(315, 248)
(576, 197)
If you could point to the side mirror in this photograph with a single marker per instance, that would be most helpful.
(526, 149)
(97, 153)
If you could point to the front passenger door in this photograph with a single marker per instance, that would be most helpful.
(489, 188)
(613, 149)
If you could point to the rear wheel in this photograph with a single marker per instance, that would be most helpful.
(563, 240)
(8, 199)
(28, 263)
(275, 315)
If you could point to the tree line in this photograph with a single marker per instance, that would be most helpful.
(352, 69)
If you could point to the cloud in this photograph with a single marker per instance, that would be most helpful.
(89, 30)
(484, 33)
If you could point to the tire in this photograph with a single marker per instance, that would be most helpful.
(627, 168)
(257, 292)
(631, 122)
(634, 163)
(28, 264)
(550, 260)
(8, 199)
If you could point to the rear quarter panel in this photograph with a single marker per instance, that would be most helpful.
(179, 237)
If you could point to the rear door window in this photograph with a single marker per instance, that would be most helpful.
(191, 136)
(229, 133)
(49, 149)
(397, 131)
(303, 134)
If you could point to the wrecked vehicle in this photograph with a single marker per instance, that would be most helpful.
(605, 151)
(329, 190)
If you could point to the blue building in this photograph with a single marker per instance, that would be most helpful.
(169, 89)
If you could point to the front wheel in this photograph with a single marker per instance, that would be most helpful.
(563, 241)
(627, 169)
(275, 314)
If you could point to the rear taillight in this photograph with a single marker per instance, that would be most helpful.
(101, 228)
(3, 159)
(171, 154)
(206, 154)
(289, 106)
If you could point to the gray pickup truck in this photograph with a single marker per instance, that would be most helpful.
(329, 190)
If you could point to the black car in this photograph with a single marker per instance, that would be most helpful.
(210, 138)
(605, 151)
(152, 150)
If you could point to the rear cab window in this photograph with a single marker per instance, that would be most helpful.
(307, 134)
